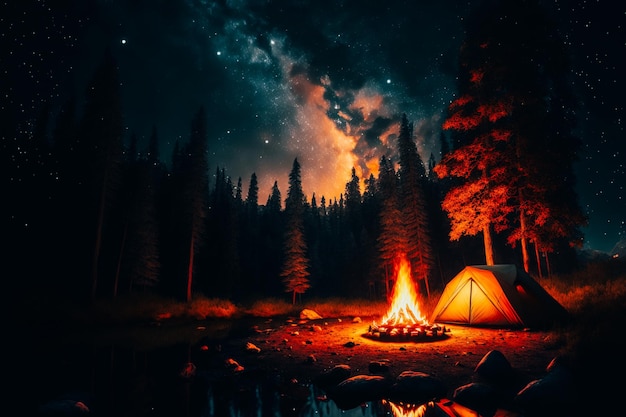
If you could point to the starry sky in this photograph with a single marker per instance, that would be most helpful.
(322, 81)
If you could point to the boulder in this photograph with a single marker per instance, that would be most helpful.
(379, 367)
(308, 314)
(417, 388)
(495, 368)
(233, 365)
(64, 408)
(329, 379)
(553, 394)
(478, 396)
(359, 389)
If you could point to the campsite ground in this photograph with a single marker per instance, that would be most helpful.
(298, 351)
(303, 349)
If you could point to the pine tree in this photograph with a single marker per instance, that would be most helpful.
(353, 207)
(193, 190)
(153, 155)
(272, 246)
(371, 206)
(252, 198)
(392, 241)
(295, 267)
(100, 151)
(274, 199)
(139, 251)
(413, 205)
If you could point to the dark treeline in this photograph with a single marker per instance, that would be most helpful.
(91, 216)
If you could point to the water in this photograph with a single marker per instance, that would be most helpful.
(119, 375)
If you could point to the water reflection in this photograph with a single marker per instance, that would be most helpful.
(181, 380)
(441, 408)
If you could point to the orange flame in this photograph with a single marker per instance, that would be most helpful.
(404, 308)
(406, 410)
(447, 408)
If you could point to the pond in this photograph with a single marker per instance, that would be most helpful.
(140, 371)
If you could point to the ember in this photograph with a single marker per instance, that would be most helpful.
(404, 319)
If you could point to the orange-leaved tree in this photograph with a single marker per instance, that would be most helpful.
(479, 201)
(513, 125)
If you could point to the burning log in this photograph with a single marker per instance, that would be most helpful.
(407, 331)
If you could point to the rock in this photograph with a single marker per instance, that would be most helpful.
(316, 328)
(251, 347)
(64, 408)
(188, 371)
(554, 394)
(233, 365)
(494, 368)
(69, 404)
(307, 314)
(334, 376)
(349, 344)
(417, 387)
(480, 397)
(557, 362)
(359, 389)
(356, 320)
(379, 367)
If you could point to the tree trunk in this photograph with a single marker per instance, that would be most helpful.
(119, 260)
(98, 242)
(443, 281)
(190, 270)
(523, 241)
(426, 283)
(538, 257)
(387, 289)
(488, 245)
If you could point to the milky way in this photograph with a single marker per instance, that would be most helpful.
(322, 81)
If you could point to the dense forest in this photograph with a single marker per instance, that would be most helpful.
(92, 216)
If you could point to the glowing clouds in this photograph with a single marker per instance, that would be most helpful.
(325, 151)
(329, 129)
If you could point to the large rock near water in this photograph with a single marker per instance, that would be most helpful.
(417, 387)
(360, 389)
(331, 378)
(495, 368)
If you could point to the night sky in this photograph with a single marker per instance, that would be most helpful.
(323, 81)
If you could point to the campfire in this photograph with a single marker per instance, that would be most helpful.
(403, 319)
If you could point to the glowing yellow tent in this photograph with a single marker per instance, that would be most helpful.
(499, 296)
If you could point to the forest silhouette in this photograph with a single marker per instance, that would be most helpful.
(96, 217)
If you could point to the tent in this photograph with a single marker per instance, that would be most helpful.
(498, 296)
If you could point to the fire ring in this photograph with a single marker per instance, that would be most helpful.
(412, 332)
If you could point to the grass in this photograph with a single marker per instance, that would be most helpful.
(587, 294)
(595, 297)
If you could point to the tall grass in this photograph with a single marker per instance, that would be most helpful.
(340, 307)
(595, 293)
(590, 291)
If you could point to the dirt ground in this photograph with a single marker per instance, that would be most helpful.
(303, 349)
